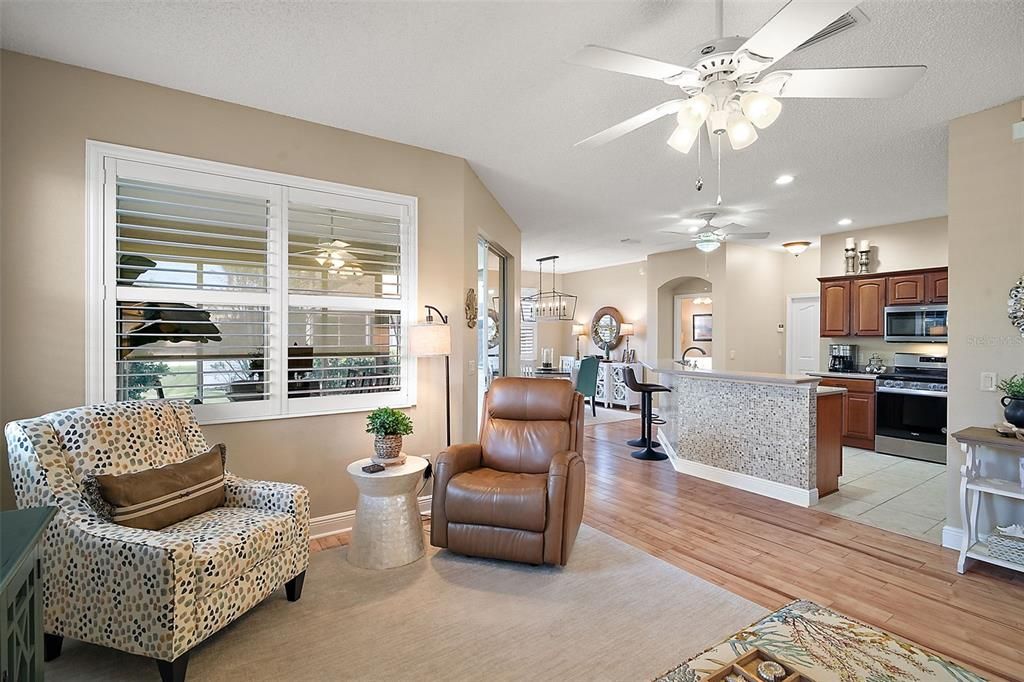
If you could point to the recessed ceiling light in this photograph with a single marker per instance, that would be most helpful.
(784, 179)
(845, 221)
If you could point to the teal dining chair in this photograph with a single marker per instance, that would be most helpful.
(586, 380)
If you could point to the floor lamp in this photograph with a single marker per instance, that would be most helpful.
(431, 339)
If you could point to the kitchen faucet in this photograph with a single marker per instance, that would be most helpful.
(682, 360)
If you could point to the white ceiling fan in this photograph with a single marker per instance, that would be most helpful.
(722, 87)
(708, 236)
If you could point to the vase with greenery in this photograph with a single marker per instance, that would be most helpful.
(1013, 401)
(388, 425)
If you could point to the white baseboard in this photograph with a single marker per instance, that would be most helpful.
(332, 524)
(952, 537)
(734, 479)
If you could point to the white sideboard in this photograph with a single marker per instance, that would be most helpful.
(611, 384)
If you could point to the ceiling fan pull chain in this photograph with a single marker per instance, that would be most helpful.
(719, 202)
(700, 175)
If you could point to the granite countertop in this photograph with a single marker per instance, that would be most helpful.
(674, 368)
(830, 390)
(845, 375)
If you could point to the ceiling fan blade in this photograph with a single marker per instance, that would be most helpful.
(732, 228)
(631, 124)
(597, 57)
(797, 21)
(749, 235)
(855, 82)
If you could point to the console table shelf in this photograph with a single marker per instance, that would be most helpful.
(973, 485)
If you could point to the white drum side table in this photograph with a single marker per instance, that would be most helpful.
(387, 532)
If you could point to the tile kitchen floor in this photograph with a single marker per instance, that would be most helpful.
(901, 495)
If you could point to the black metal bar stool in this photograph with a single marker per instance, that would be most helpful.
(646, 440)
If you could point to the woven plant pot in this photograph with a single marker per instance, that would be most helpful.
(387, 450)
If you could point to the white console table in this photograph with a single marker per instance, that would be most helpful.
(611, 384)
(973, 485)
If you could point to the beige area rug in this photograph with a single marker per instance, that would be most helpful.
(614, 613)
(607, 415)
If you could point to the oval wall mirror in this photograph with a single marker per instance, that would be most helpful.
(606, 328)
(493, 328)
(1015, 310)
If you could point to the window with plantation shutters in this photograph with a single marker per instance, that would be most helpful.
(248, 293)
(527, 333)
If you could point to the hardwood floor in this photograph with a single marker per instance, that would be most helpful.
(772, 553)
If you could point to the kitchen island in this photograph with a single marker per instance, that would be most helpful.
(751, 430)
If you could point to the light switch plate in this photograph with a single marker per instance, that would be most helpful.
(988, 381)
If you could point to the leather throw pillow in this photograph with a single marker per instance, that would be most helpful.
(156, 498)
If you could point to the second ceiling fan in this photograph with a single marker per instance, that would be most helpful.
(722, 87)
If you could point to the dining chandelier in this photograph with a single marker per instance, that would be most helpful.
(551, 305)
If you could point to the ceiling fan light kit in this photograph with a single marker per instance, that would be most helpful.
(708, 244)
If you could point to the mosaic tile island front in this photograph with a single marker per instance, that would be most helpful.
(755, 424)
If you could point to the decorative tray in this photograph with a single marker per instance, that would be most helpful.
(745, 669)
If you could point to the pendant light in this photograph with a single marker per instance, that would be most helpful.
(552, 305)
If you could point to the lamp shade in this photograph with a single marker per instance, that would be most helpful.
(578, 329)
(626, 329)
(430, 339)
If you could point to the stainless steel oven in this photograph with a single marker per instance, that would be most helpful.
(917, 323)
(910, 412)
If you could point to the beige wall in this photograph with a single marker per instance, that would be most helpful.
(687, 309)
(986, 256)
(900, 246)
(756, 307)
(49, 110)
(619, 286)
(665, 273)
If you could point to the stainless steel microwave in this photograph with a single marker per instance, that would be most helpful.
(917, 323)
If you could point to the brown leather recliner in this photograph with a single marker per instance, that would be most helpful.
(518, 494)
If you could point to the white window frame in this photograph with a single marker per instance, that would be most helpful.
(102, 292)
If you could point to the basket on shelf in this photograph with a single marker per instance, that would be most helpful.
(1006, 547)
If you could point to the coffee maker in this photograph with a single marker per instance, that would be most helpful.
(842, 357)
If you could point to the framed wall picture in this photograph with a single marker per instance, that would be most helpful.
(702, 327)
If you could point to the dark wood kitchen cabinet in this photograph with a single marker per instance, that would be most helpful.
(868, 300)
(854, 305)
(835, 308)
(905, 290)
(858, 411)
(936, 286)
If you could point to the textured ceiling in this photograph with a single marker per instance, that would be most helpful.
(487, 81)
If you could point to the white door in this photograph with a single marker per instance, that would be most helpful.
(803, 341)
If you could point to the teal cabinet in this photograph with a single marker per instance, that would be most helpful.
(21, 594)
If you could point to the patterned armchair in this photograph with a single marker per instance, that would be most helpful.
(152, 593)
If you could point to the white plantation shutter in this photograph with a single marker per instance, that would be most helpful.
(248, 295)
(527, 334)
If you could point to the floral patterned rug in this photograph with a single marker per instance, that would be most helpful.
(827, 647)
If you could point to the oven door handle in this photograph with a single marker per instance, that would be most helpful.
(911, 391)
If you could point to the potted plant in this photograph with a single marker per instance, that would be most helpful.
(388, 425)
(1013, 401)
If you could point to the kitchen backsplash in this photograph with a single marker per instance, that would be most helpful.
(866, 346)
